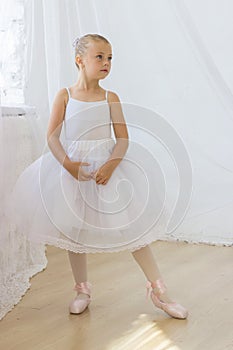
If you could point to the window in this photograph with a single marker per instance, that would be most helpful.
(12, 52)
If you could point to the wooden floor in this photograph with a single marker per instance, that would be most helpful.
(119, 317)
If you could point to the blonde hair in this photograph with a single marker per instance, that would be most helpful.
(81, 44)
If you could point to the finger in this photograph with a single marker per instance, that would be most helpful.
(86, 178)
(84, 163)
(81, 178)
(101, 181)
(99, 176)
(85, 174)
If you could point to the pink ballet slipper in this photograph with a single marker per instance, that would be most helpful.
(173, 309)
(78, 305)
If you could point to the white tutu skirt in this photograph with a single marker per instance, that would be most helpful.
(50, 206)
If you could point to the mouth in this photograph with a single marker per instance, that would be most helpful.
(104, 70)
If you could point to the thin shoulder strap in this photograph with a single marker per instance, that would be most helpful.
(107, 95)
(68, 91)
(64, 116)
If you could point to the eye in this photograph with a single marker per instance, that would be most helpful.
(110, 58)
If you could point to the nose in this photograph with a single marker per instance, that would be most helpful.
(106, 61)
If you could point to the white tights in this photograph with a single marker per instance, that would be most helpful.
(143, 256)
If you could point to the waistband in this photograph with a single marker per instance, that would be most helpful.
(87, 144)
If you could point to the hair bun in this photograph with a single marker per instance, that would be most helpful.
(75, 42)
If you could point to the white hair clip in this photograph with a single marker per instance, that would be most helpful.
(75, 42)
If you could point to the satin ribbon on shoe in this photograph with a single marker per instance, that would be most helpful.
(159, 285)
(83, 287)
(172, 309)
(78, 305)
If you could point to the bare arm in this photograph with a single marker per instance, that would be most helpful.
(103, 174)
(53, 138)
(54, 129)
(120, 131)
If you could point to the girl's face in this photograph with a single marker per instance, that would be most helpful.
(97, 60)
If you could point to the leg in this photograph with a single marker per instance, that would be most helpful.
(78, 262)
(145, 258)
(146, 261)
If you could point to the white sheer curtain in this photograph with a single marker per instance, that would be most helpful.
(21, 142)
(19, 258)
(164, 57)
(172, 57)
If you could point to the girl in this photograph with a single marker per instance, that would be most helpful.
(76, 209)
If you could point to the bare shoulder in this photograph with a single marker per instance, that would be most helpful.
(62, 96)
(113, 97)
(116, 109)
(117, 116)
(59, 107)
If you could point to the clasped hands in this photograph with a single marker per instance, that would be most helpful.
(101, 175)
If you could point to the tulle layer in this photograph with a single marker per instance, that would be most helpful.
(52, 207)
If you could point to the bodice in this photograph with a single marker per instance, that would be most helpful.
(87, 120)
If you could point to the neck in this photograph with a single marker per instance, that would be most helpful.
(86, 84)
